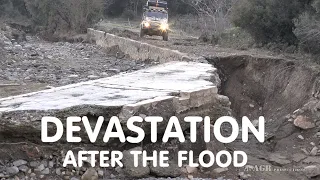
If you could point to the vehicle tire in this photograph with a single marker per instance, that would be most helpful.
(165, 36)
(141, 33)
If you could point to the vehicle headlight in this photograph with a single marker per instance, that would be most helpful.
(146, 24)
(164, 26)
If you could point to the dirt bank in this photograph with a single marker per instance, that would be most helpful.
(281, 90)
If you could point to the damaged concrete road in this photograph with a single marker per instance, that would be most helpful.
(175, 88)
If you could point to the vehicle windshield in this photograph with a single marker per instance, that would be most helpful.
(156, 16)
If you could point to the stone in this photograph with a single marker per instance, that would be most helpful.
(244, 176)
(40, 168)
(301, 137)
(311, 160)
(118, 169)
(298, 157)
(18, 47)
(2, 175)
(130, 169)
(172, 171)
(45, 163)
(90, 174)
(303, 122)
(45, 171)
(74, 178)
(312, 171)
(11, 171)
(191, 170)
(100, 173)
(19, 162)
(278, 159)
(51, 164)
(314, 151)
(220, 170)
(34, 164)
(23, 168)
(58, 171)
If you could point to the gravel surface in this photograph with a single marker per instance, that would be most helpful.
(36, 64)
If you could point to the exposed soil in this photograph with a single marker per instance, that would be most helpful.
(273, 88)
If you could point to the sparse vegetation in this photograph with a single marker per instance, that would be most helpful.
(269, 21)
(288, 25)
(64, 15)
(308, 29)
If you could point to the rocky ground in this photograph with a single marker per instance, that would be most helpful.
(35, 64)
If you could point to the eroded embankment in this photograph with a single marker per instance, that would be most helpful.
(271, 86)
(286, 93)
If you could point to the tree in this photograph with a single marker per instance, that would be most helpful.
(269, 20)
(65, 15)
(308, 29)
(217, 10)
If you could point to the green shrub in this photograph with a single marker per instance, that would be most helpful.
(269, 20)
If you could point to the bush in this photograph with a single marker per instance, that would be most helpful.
(235, 38)
(64, 15)
(308, 29)
(308, 33)
(12, 8)
(269, 20)
(129, 14)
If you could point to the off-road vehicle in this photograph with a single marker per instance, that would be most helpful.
(155, 19)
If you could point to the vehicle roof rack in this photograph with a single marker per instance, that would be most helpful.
(157, 3)
(162, 10)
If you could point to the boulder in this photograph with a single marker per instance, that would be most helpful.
(11, 171)
(312, 171)
(129, 168)
(90, 174)
(277, 159)
(172, 171)
(19, 162)
(303, 122)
